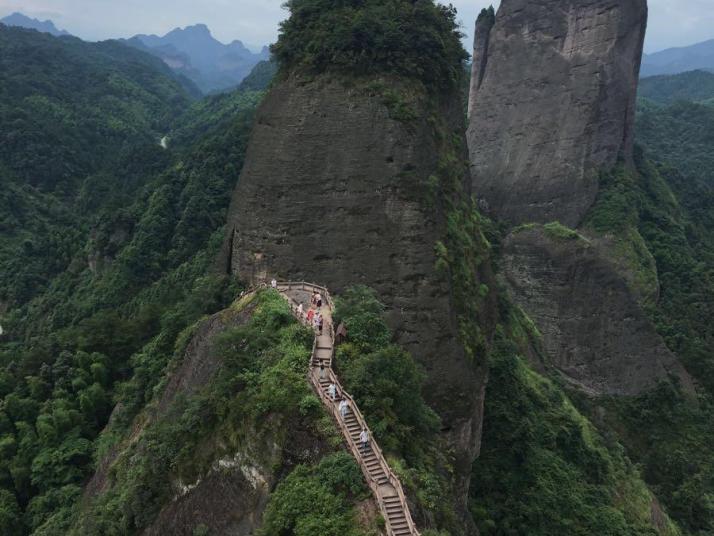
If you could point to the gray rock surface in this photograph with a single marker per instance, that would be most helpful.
(482, 35)
(593, 328)
(333, 192)
(555, 104)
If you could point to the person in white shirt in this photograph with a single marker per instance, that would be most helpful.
(332, 391)
(274, 283)
(316, 321)
(364, 439)
(343, 408)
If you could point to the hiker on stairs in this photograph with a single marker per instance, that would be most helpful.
(332, 391)
(364, 440)
(344, 408)
(316, 322)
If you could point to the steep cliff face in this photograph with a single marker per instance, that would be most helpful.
(554, 105)
(591, 322)
(482, 36)
(336, 191)
(551, 113)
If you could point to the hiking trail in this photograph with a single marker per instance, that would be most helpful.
(384, 484)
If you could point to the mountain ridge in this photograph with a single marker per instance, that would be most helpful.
(190, 51)
(679, 59)
(194, 52)
(23, 21)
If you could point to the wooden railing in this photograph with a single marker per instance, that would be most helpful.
(327, 401)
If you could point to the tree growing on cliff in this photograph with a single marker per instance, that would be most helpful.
(413, 38)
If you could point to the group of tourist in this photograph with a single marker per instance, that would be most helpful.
(314, 318)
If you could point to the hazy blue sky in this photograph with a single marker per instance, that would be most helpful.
(672, 22)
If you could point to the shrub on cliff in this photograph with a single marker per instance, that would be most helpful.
(413, 38)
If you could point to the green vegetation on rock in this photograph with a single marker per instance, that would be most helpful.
(410, 38)
(387, 385)
(315, 501)
(258, 397)
(655, 209)
(463, 255)
(544, 469)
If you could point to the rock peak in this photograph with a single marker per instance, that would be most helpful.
(23, 21)
(552, 103)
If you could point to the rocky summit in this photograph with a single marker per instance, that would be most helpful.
(333, 190)
(552, 103)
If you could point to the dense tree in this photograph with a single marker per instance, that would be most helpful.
(105, 242)
(412, 38)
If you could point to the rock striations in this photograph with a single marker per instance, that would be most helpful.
(552, 103)
(482, 35)
(551, 107)
(592, 325)
(333, 189)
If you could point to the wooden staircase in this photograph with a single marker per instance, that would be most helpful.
(384, 484)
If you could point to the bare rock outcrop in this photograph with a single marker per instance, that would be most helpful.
(553, 104)
(591, 322)
(334, 191)
(551, 108)
(482, 36)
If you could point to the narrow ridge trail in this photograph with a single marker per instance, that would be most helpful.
(384, 484)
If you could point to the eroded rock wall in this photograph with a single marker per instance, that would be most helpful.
(334, 191)
(592, 325)
(482, 35)
(551, 109)
(555, 104)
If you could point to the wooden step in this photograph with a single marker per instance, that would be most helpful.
(397, 514)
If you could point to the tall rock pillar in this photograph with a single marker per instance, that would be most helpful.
(552, 104)
(482, 34)
(335, 191)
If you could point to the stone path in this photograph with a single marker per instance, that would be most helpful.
(384, 484)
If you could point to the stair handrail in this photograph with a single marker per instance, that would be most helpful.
(391, 476)
(372, 482)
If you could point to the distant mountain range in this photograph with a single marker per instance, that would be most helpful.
(192, 52)
(678, 60)
(47, 26)
(195, 53)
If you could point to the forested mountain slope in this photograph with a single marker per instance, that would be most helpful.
(675, 122)
(696, 86)
(141, 393)
(106, 244)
